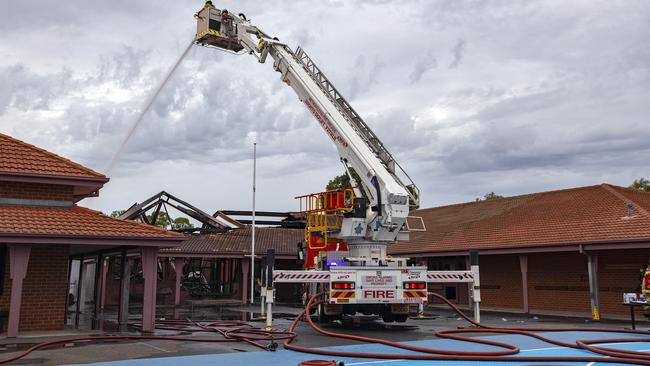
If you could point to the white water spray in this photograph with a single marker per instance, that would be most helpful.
(145, 109)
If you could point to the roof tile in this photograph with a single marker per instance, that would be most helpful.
(20, 157)
(571, 216)
(73, 221)
(238, 241)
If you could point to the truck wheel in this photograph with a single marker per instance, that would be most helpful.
(401, 318)
(322, 317)
(312, 310)
(387, 316)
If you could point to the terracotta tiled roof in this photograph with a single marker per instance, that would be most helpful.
(238, 241)
(73, 221)
(20, 157)
(571, 216)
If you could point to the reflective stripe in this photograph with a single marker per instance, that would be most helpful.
(415, 294)
(342, 294)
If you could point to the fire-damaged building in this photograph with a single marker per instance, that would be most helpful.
(212, 266)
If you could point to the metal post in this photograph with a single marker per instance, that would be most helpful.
(269, 310)
(592, 269)
(106, 262)
(476, 290)
(79, 282)
(125, 287)
(67, 293)
(263, 280)
(253, 227)
(270, 264)
(96, 291)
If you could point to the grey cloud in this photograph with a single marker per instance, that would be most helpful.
(553, 95)
(457, 53)
(422, 65)
(122, 67)
(25, 90)
(365, 74)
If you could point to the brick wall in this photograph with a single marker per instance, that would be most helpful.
(501, 281)
(44, 289)
(618, 272)
(36, 191)
(558, 282)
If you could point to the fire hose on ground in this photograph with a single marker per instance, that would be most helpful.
(609, 355)
(238, 331)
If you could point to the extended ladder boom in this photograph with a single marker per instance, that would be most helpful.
(359, 148)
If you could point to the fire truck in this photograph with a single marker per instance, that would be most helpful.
(347, 230)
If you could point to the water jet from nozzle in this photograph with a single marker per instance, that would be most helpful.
(147, 106)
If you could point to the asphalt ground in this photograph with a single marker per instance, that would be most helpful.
(414, 331)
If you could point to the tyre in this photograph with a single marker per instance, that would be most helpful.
(312, 310)
(387, 316)
(401, 318)
(322, 317)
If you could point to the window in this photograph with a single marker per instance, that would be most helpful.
(215, 24)
(447, 263)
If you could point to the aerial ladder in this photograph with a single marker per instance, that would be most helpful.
(347, 230)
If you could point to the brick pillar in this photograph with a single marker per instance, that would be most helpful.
(245, 269)
(18, 261)
(179, 263)
(523, 266)
(150, 272)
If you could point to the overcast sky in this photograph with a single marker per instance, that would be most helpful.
(470, 96)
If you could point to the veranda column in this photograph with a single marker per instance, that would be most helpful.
(245, 269)
(125, 285)
(150, 272)
(179, 263)
(18, 261)
(523, 266)
(592, 269)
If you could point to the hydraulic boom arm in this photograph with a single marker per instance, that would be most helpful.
(389, 199)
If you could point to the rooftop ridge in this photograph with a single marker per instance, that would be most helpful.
(609, 188)
(52, 155)
(525, 195)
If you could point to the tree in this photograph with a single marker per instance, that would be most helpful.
(641, 184)
(340, 181)
(117, 213)
(491, 196)
(162, 220)
(181, 223)
(343, 181)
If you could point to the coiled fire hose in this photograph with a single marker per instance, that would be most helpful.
(613, 355)
(237, 331)
(231, 331)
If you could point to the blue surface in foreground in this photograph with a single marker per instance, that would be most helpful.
(528, 346)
